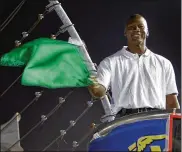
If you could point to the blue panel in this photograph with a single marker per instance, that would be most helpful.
(142, 135)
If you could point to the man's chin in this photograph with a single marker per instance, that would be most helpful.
(136, 41)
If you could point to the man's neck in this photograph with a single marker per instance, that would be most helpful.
(139, 49)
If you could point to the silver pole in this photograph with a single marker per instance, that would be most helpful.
(74, 35)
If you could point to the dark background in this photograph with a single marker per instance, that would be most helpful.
(101, 25)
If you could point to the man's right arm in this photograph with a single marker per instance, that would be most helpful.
(102, 81)
(97, 90)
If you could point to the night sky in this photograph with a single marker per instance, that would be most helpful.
(101, 25)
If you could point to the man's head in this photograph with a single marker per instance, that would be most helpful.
(136, 30)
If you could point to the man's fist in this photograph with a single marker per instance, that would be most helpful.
(94, 81)
(96, 89)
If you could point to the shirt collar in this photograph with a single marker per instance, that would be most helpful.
(128, 54)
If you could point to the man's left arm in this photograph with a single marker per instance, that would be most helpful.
(171, 89)
(172, 101)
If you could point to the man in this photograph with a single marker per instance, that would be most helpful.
(140, 80)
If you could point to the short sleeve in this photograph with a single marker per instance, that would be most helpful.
(104, 73)
(170, 80)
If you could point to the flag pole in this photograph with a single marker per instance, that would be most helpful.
(67, 24)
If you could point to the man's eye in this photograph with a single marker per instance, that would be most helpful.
(130, 28)
(141, 27)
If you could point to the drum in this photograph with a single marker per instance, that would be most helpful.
(148, 131)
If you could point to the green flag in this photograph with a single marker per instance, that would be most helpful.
(49, 63)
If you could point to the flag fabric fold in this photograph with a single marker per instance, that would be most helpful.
(49, 63)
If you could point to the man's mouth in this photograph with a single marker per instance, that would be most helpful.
(136, 36)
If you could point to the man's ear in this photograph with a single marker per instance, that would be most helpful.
(125, 32)
(147, 33)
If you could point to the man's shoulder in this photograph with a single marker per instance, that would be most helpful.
(161, 59)
(113, 56)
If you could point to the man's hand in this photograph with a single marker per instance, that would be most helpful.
(94, 81)
(97, 90)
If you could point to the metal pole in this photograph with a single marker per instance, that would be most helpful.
(74, 35)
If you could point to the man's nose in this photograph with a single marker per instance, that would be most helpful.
(136, 28)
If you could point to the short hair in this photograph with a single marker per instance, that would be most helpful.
(133, 17)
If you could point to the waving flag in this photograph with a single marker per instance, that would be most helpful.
(49, 63)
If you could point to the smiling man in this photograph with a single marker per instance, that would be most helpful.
(140, 80)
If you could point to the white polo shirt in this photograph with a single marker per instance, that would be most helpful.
(137, 82)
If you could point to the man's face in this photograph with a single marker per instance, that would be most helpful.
(136, 31)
